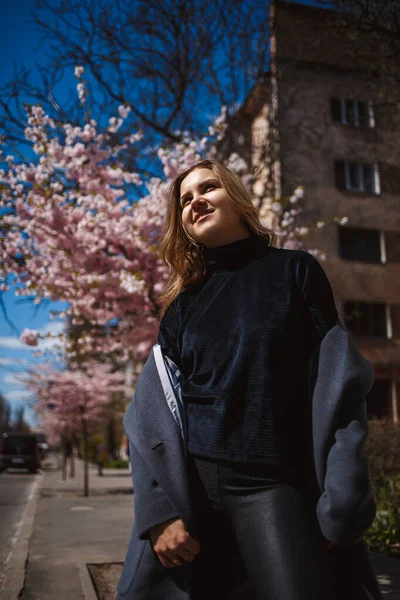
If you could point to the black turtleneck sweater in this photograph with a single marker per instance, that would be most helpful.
(243, 338)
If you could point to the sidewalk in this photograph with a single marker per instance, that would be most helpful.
(114, 481)
(71, 531)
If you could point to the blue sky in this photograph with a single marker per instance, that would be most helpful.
(18, 39)
(20, 42)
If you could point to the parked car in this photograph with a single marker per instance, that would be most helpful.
(19, 451)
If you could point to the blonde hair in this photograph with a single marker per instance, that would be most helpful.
(179, 251)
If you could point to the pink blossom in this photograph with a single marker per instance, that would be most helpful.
(124, 111)
(297, 195)
(79, 71)
(29, 337)
(81, 92)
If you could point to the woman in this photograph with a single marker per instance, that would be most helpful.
(277, 478)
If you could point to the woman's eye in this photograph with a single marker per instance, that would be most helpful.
(209, 186)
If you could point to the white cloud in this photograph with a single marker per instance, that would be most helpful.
(18, 395)
(12, 343)
(12, 362)
(53, 327)
(13, 379)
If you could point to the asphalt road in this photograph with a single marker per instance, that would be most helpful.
(15, 490)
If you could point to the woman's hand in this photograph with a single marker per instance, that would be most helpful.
(172, 543)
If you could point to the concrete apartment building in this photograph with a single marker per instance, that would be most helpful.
(326, 117)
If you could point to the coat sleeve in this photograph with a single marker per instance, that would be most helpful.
(346, 507)
(152, 505)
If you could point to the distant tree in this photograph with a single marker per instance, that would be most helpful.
(19, 424)
(77, 398)
(5, 415)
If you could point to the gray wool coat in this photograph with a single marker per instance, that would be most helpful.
(340, 378)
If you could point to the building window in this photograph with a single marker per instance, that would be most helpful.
(353, 112)
(379, 400)
(365, 245)
(357, 177)
(368, 319)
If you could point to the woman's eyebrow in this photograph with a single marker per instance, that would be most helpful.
(201, 185)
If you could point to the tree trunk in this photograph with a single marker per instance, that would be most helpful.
(111, 438)
(64, 463)
(72, 464)
(85, 458)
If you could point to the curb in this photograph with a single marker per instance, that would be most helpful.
(14, 576)
(86, 581)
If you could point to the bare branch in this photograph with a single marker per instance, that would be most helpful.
(172, 62)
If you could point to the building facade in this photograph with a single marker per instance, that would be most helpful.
(327, 117)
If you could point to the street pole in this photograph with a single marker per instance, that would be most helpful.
(85, 458)
(64, 465)
(72, 464)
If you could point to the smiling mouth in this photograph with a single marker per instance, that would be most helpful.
(202, 217)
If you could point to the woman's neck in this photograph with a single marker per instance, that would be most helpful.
(236, 254)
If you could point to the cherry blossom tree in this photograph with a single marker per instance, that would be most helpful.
(73, 399)
(73, 232)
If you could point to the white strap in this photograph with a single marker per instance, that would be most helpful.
(171, 389)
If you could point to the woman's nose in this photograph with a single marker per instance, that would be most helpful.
(197, 199)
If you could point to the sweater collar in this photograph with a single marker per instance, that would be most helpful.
(236, 254)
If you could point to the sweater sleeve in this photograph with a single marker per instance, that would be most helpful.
(168, 333)
(317, 293)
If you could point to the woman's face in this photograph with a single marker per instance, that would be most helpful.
(207, 212)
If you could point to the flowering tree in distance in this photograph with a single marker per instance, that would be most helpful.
(71, 400)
